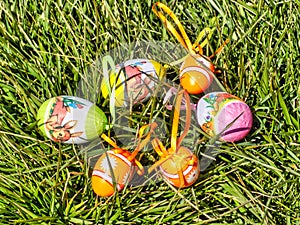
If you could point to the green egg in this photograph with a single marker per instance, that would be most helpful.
(96, 121)
(70, 119)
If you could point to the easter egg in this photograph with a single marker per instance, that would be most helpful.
(70, 119)
(194, 77)
(220, 113)
(135, 81)
(180, 163)
(112, 167)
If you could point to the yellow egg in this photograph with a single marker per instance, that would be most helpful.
(135, 81)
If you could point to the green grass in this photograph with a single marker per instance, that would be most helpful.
(45, 50)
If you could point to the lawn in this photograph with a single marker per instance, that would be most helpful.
(47, 49)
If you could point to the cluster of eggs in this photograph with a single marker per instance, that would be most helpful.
(70, 119)
(75, 120)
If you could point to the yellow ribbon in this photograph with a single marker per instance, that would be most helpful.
(175, 143)
(181, 36)
(142, 143)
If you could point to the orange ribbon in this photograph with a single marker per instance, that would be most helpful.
(181, 36)
(141, 144)
(175, 143)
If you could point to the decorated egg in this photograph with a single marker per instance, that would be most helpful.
(70, 119)
(178, 165)
(115, 168)
(184, 163)
(220, 113)
(112, 167)
(194, 77)
(135, 81)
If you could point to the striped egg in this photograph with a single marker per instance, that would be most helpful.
(194, 77)
(135, 81)
(70, 119)
(113, 167)
(182, 162)
(178, 165)
(220, 113)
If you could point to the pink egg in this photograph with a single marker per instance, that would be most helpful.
(220, 113)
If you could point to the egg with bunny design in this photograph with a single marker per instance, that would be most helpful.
(70, 119)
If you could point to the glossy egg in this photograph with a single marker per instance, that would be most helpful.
(112, 167)
(70, 119)
(220, 113)
(182, 162)
(194, 77)
(135, 81)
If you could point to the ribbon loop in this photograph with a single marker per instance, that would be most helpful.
(187, 118)
(174, 141)
(142, 143)
(109, 141)
(182, 37)
(170, 93)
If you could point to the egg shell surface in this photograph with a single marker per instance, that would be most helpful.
(70, 119)
(111, 166)
(224, 114)
(135, 81)
(178, 163)
(195, 74)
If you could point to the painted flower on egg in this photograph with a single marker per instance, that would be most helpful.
(220, 113)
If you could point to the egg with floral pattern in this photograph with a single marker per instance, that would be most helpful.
(223, 114)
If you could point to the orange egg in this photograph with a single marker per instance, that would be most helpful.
(196, 74)
(112, 167)
(115, 168)
(177, 164)
(182, 162)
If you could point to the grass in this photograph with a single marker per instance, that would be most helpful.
(45, 50)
